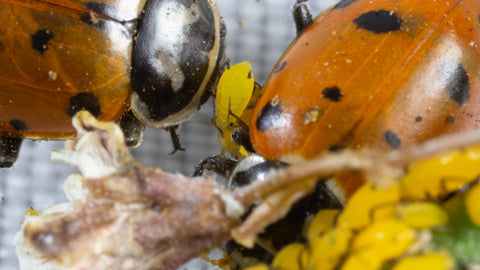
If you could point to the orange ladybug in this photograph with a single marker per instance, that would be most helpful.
(376, 73)
(152, 61)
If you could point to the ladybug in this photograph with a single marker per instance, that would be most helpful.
(148, 63)
(371, 73)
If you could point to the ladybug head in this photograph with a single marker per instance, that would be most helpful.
(177, 54)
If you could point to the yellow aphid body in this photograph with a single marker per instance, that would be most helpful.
(442, 174)
(234, 94)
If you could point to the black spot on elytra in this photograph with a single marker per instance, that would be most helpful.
(280, 67)
(332, 93)
(18, 124)
(2, 47)
(452, 119)
(336, 148)
(392, 139)
(379, 21)
(418, 118)
(269, 117)
(84, 101)
(40, 40)
(343, 3)
(457, 82)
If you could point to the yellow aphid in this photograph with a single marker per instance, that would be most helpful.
(422, 215)
(383, 212)
(361, 206)
(258, 267)
(437, 261)
(291, 257)
(362, 261)
(327, 250)
(322, 222)
(442, 174)
(234, 92)
(384, 240)
(31, 212)
(223, 263)
(472, 204)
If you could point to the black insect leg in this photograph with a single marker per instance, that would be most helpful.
(301, 15)
(219, 164)
(175, 139)
(241, 134)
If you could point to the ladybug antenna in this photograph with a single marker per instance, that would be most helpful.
(240, 121)
(302, 15)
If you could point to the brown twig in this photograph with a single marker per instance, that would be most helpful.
(367, 160)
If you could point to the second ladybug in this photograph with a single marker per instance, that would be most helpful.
(153, 62)
(379, 73)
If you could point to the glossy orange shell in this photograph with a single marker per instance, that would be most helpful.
(57, 58)
(372, 73)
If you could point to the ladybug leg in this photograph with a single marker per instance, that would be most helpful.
(241, 134)
(132, 129)
(241, 137)
(9, 148)
(219, 164)
(301, 15)
(175, 139)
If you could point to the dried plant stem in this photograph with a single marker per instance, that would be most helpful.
(366, 160)
(445, 143)
(270, 210)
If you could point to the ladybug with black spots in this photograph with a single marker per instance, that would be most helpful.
(148, 63)
(373, 73)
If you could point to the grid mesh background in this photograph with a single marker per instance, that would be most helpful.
(258, 31)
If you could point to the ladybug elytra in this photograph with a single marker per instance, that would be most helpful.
(153, 62)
